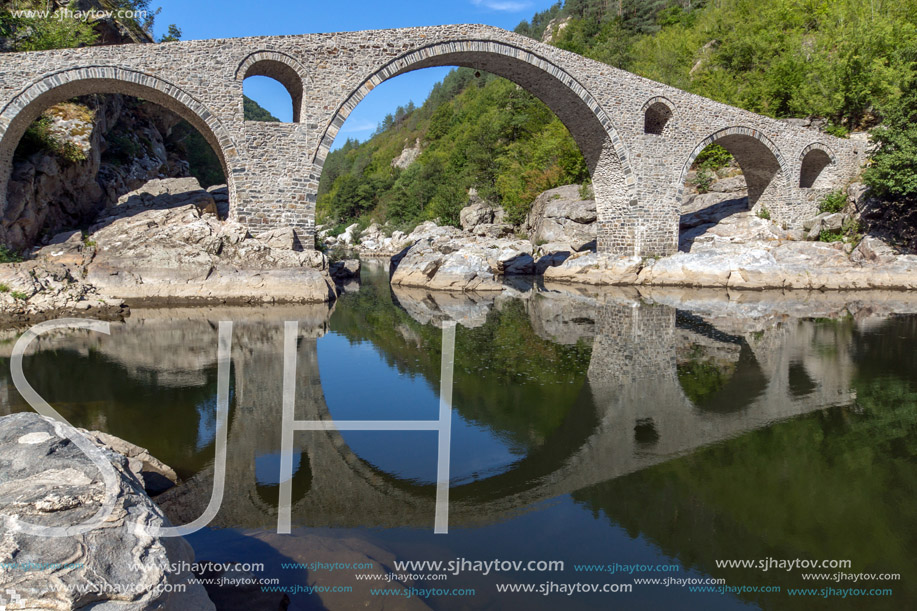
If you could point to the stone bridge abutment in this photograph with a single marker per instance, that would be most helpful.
(638, 137)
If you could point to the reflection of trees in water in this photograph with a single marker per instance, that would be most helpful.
(837, 483)
(506, 376)
(93, 392)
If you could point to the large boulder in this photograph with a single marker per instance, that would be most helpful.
(479, 212)
(47, 480)
(165, 241)
(447, 259)
(562, 216)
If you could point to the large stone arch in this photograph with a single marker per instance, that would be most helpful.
(50, 89)
(590, 125)
(284, 69)
(763, 165)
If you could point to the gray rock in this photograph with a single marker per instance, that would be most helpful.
(872, 250)
(175, 250)
(47, 480)
(561, 215)
(476, 213)
(285, 238)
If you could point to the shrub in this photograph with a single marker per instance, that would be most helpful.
(893, 170)
(4, 288)
(702, 180)
(19, 295)
(833, 202)
(713, 157)
(764, 213)
(8, 256)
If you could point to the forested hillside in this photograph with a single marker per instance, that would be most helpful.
(848, 62)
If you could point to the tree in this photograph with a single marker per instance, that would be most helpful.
(172, 35)
(893, 171)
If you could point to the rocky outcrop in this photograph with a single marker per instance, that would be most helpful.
(445, 258)
(165, 241)
(755, 264)
(48, 481)
(112, 145)
(408, 156)
(40, 290)
(563, 219)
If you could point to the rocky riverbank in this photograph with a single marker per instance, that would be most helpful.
(722, 244)
(168, 243)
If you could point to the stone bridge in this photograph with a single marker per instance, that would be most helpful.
(638, 137)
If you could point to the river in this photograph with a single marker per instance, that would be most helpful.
(625, 436)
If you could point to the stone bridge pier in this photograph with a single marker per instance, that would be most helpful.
(639, 137)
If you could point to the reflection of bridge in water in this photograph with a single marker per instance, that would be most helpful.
(632, 414)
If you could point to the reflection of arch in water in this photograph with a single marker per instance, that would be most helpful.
(596, 442)
(743, 384)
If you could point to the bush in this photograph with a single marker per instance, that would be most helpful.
(764, 213)
(4, 288)
(833, 202)
(8, 256)
(893, 170)
(713, 157)
(702, 180)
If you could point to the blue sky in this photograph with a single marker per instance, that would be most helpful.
(199, 19)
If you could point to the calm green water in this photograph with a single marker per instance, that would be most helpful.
(591, 430)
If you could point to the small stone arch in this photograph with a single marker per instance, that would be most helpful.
(590, 125)
(762, 163)
(657, 112)
(25, 107)
(282, 68)
(816, 162)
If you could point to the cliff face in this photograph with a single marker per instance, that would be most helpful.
(80, 157)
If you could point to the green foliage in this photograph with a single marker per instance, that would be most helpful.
(253, 111)
(702, 180)
(713, 157)
(786, 58)
(8, 256)
(45, 31)
(893, 170)
(475, 130)
(202, 160)
(19, 295)
(701, 379)
(849, 232)
(173, 34)
(122, 148)
(764, 213)
(38, 138)
(4, 288)
(833, 202)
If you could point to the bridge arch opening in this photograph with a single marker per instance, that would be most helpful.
(58, 89)
(733, 171)
(656, 115)
(592, 130)
(815, 167)
(265, 76)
